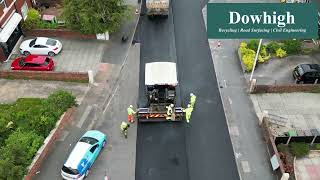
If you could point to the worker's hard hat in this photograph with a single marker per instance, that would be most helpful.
(191, 94)
(131, 106)
(171, 105)
(189, 105)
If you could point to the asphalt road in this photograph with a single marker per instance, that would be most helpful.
(201, 150)
(209, 148)
(161, 150)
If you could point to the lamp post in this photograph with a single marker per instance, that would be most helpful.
(255, 60)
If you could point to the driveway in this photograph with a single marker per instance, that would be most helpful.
(279, 71)
(76, 55)
(11, 90)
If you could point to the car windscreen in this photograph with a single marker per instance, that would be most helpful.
(21, 62)
(46, 61)
(70, 170)
(33, 42)
(51, 42)
(89, 140)
(300, 70)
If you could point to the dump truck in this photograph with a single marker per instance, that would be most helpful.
(160, 87)
(157, 7)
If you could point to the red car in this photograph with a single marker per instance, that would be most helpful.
(33, 63)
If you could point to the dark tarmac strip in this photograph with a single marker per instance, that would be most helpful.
(161, 153)
(209, 149)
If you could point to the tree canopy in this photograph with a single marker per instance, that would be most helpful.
(95, 16)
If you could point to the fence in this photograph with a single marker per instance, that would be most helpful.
(307, 136)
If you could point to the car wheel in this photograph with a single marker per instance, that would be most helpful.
(87, 173)
(51, 53)
(103, 144)
(26, 53)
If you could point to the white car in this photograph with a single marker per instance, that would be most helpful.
(41, 46)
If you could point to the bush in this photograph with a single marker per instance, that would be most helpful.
(272, 47)
(317, 146)
(247, 60)
(17, 153)
(253, 44)
(281, 147)
(299, 149)
(281, 53)
(292, 46)
(33, 20)
(61, 100)
(263, 55)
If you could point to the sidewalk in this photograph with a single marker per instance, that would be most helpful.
(248, 143)
(103, 108)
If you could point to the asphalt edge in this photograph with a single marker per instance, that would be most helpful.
(223, 105)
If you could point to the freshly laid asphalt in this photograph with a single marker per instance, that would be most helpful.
(161, 150)
(201, 150)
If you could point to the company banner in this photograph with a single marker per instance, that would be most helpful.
(262, 20)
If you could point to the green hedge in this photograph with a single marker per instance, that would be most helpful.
(23, 127)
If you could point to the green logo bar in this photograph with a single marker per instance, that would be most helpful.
(262, 20)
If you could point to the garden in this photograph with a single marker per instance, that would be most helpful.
(296, 149)
(23, 127)
(269, 50)
(83, 16)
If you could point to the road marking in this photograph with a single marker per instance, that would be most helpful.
(225, 83)
(63, 136)
(238, 155)
(84, 116)
(230, 101)
(114, 92)
(234, 130)
(245, 166)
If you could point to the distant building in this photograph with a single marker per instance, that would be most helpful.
(12, 13)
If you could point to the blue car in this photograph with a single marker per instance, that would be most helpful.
(83, 155)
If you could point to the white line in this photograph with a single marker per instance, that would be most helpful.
(63, 136)
(225, 83)
(84, 116)
(230, 101)
(245, 166)
(114, 92)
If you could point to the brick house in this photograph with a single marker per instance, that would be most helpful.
(12, 13)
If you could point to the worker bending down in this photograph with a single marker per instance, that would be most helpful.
(192, 99)
(188, 112)
(169, 112)
(124, 129)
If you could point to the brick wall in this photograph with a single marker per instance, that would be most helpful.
(48, 144)
(63, 33)
(272, 148)
(285, 88)
(43, 75)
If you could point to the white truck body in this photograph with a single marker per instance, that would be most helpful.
(158, 7)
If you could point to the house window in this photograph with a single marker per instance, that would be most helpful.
(24, 10)
(3, 4)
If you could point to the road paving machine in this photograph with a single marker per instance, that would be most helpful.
(160, 83)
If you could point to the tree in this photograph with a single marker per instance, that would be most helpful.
(95, 16)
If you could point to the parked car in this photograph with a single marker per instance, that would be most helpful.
(41, 46)
(306, 73)
(83, 155)
(33, 63)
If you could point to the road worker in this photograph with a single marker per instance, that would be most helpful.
(131, 112)
(192, 99)
(169, 112)
(124, 129)
(188, 112)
